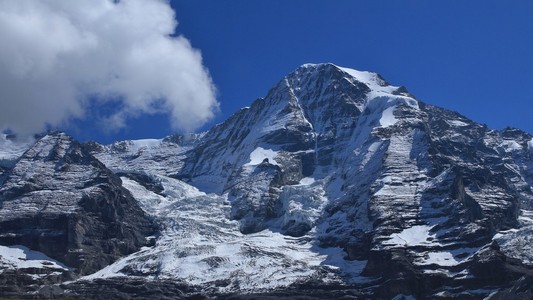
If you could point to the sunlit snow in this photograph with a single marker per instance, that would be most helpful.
(517, 243)
(363, 175)
(307, 181)
(202, 245)
(510, 146)
(372, 80)
(387, 117)
(446, 258)
(457, 123)
(21, 257)
(413, 236)
(260, 154)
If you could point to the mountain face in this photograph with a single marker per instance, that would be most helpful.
(336, 184)
(59, 200)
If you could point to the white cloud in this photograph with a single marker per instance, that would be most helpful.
(57, 55)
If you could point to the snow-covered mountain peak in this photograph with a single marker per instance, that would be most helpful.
(334, 178)
(324, 92)
(372, 80)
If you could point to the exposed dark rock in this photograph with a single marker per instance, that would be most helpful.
(394, 198)
(59, 200)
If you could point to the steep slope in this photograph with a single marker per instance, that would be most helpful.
(339, 159)
(335, 183)
(58, 200)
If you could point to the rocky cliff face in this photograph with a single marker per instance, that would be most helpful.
(336, 182)
(57, 199)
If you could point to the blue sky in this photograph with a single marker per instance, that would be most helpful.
(474, 57)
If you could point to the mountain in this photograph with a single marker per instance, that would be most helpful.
(336, 184)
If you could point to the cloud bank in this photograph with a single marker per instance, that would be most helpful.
(59, 57)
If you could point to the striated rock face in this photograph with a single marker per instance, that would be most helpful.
(336, 183)
(59, 200)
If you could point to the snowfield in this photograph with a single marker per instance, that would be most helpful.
(21, 257)
(202, 246)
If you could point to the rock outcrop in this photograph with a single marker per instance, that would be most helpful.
(59, 200)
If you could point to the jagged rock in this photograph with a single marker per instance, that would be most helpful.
(336, 183)
(59, 200)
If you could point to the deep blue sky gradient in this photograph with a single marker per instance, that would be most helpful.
(474, 57)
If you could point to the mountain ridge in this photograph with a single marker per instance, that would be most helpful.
(336, 178)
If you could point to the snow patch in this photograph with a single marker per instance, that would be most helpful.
(517, 244)
(370, 79)
(21, 257)
(149, 201)
(525, 218)
(369, 154)
(335, 258)
(457, 123)
(366, 77)
(530, 145)
(387, 117)
(307, 181)
(302, 204)
(260, 154)
(380, 107)
(446, 258)
(414, 236)
(511, 146)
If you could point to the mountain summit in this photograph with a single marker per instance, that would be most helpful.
(336, 183)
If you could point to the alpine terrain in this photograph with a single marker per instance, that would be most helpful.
(336, 184)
